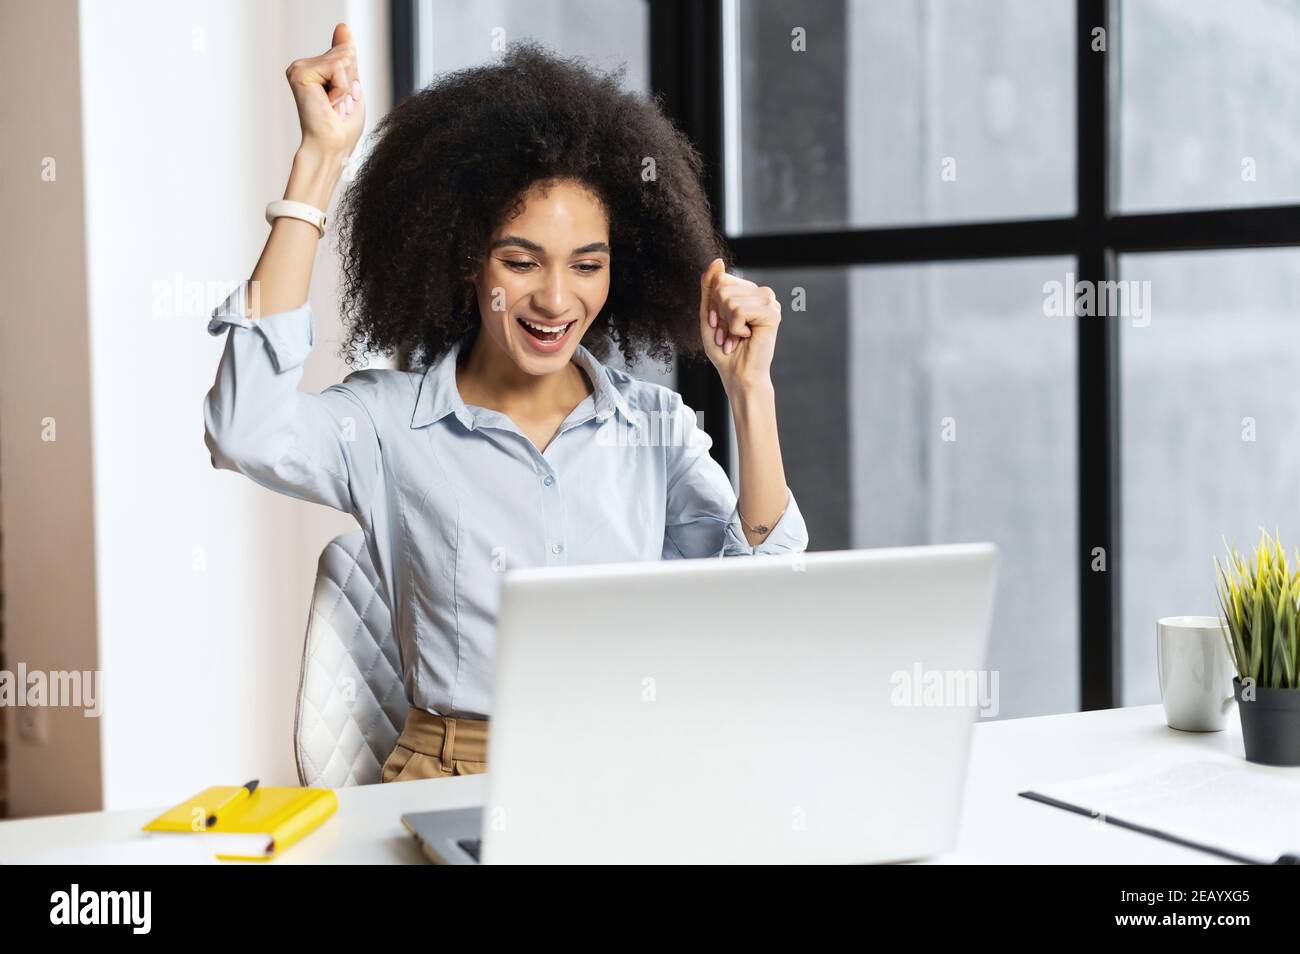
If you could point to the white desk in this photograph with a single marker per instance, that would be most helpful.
(997, 826)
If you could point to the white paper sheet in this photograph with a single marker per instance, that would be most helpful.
(1238, 806)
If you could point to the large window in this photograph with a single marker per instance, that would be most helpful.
(931, 176)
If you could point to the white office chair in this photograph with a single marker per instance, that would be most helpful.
(351, 703)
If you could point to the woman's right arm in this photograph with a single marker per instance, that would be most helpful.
(323, 87)
(319, 447)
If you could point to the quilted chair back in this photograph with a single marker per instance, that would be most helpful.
(351, 703)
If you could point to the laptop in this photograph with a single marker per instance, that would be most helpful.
(803, 708)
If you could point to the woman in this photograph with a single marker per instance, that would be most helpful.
(510, 224)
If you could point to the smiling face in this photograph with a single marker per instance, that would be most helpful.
(546, 276)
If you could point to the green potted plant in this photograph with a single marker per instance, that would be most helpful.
(1260, 603)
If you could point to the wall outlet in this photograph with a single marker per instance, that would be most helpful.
(34, 725)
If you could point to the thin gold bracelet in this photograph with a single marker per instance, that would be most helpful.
(762, 527)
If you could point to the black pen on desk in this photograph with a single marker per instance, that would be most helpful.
(1285, 859)
(244, 792)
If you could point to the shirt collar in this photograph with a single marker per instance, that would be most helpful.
(439, 395)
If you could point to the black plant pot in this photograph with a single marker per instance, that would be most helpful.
(1270, 724)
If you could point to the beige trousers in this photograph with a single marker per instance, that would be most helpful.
(432, 746)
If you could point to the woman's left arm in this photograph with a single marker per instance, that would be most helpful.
(738, 324)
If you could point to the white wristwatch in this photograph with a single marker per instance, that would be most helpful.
(296, 210)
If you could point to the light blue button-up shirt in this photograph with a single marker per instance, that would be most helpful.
(451, 495)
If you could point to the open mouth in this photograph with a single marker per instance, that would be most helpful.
(547, 334)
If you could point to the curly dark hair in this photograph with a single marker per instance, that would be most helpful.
(455, 160)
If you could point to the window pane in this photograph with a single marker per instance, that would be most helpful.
(607, 33)
(897, 112)
(1208, 93)
(936, 404)
(1211, 432)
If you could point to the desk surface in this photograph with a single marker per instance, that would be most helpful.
(997, 826)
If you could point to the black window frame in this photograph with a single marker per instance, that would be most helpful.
(686, 47)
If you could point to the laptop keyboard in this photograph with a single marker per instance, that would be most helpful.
(471, 847)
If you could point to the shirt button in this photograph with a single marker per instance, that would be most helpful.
(557, 548)
(548, 480)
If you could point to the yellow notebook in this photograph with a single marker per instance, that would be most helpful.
(264, 824)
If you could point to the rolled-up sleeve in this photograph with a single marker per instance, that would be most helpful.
(318, 447)
(703, 518)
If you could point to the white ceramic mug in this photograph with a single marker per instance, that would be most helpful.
(1195, 673)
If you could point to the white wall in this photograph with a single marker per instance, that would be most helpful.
(203, 578)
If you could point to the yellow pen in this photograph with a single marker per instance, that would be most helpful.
(244, 792)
